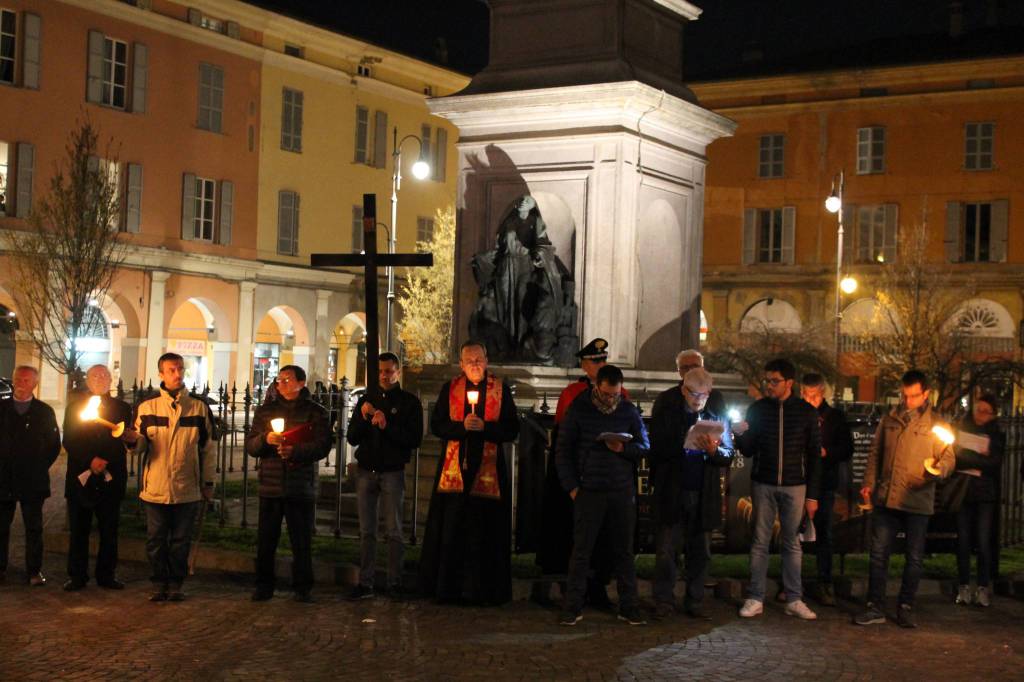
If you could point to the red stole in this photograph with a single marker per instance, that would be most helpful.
(486, 483)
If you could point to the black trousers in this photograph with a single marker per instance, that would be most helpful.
(32, 517)
(823, 534)
(169, 529)
(107, 512)
(300, 514)
(615, 512)
(689, 534)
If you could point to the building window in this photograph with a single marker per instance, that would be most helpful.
(357, 229)
(205, 201)
(4, 178)
(769, 235)
(288, 223)
(362, 135)
(424, 230)
(293, 50)
(115, 72)
(870, 150)
(211, 98)
(291, 120)
(112, 171)
(211, 24)
(978, 146)
(770, 161)
(425, 144)
(876, 233)
(8, 44)
(977, 232)
(364, 70)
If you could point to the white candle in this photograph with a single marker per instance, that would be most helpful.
(277, 425)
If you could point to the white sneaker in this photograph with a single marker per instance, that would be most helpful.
(983, 598)
(799, 609)
(751, 608)
(963, 595)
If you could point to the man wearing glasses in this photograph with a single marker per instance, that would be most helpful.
(288, 453)
(687, 489)
(782, 436)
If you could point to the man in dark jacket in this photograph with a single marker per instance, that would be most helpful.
(600, 442)
(687, 489)
(385, 427)
(288, 452)
(781, 434)
(836, 448)
(96, 479)
(905, 461)
(29, 445)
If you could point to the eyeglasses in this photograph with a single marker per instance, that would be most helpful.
(772, 382)
(696, 395)
(284, 381)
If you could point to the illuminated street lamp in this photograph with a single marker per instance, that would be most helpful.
(848, 285)
(834, 204)
(420, 171)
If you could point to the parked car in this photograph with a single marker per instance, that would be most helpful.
(6, 389)
(863, 413)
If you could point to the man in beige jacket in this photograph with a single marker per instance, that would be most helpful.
(906, 460)
(175, 432)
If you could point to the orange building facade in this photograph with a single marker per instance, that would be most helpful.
(178, 89)
(937, 146)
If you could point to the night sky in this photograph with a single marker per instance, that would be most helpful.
(731, 38)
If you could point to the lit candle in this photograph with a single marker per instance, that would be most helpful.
(947, 438)
(277, 425)
(91, 412)
(473, 397)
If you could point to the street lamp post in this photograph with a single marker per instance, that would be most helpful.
(834, 204)
(420, 170)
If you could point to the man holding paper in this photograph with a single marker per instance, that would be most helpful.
(96, 480)
(689, 447)
(911, 451)
(289, 435)
(599, 444)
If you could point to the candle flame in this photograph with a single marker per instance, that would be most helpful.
(277, 425)
(473, 397)
(943, 434)
(92, 409)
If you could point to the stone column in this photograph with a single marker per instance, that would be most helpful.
(130, 351)
(155, 329)
(243, 356)
(321, 341)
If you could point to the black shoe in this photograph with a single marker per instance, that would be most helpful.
(262, 595)
(160, 595)
(303, 597)
(36, 579)
(176, 595)
(111, 584)
(905, 616)
(695, 611)
(663, 611)
(360, 592)
(597, 598)
(632, 616)
(397, 593)
(74, 585)
(872, 615)
(570, 618)
(826, 594)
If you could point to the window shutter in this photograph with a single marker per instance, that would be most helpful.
(188, 206)
(134, 208)
(357, 229)
(26, 168)
(195, 17)
(140, 77)
(286, 118)
(297, 103)
(749, 236)
(891, 238)
(30, 52)
(998, 232)
(233, 30)
(362, 123)
(227, 211)
(380, 138)
(788, 233)
(295, 225)
(849, 233)
(440, 154)
(425, 150)
(284, 222)
(94, 73)
(864, 227)
(952, 240)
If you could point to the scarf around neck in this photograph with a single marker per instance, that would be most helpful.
(604, 405)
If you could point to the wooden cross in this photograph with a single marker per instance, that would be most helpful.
(370, 260)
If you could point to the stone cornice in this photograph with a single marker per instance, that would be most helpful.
(576, 108)
(682, 8)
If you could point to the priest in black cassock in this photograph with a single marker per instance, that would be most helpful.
(467, 545)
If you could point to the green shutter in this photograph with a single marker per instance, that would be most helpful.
(188, 206)
(999, 230)
(134, 204)
(380, 138)
(30, 49)
(140, 77)
(440, 155)
(23, 187)
(749, 236)
(227, 211)
(94, 72)
(952, 241)
(788, 234)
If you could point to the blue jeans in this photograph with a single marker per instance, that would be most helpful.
(885, 523)
(169, 539)
(788, 502)
(974, 529)
(389, 489)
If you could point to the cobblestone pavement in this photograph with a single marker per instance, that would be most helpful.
(218, 634)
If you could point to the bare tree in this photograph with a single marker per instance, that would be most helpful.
(70, 252)
(426, 297)
(746, 350)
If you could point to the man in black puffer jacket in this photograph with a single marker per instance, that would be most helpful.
(782, 436)
(288, 476)
(599, 474)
